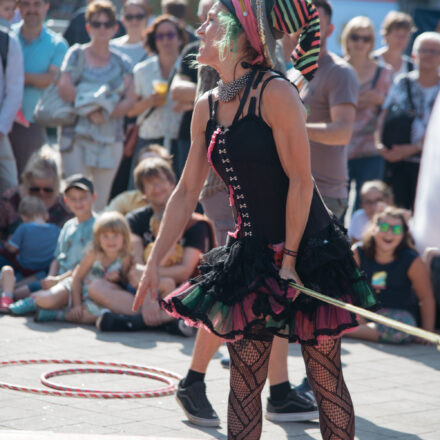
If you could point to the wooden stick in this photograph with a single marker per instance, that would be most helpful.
(405, 328)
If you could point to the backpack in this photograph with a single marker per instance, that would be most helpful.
(4, 46)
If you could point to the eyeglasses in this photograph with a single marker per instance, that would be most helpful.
(37, 189)
(372, 201)
(169, 35)
(428, 51)
(363, 38)
(130, 17)
(102, 24)
(395, 229)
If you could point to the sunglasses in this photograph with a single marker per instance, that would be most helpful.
(428, 51)
(102, 24)
(372, 201)
(363, 38)
(169, 35)
(395, 229)
(37, 189)
(130, 17)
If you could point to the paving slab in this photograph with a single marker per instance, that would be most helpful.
(395, 389)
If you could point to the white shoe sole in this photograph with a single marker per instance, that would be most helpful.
(207, 423)
(292, 417)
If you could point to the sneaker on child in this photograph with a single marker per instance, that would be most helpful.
(23, 306)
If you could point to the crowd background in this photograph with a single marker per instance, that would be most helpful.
(127, 73)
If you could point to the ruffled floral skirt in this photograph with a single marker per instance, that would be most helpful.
(239, 288)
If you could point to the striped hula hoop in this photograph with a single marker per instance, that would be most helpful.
(116, 368)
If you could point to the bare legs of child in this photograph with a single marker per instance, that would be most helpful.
(249, 364)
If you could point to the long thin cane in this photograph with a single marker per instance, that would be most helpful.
(409, 329)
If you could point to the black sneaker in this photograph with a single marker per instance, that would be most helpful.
(115, 322)
(195, 404)
(179, 328)
(294, 408)
(305, 390)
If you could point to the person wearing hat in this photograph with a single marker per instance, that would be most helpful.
(251, 130)
(53, 291)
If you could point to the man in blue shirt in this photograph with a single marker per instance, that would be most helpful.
(43, 52)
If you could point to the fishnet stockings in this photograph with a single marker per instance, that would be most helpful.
(336, 414)
(249, 363)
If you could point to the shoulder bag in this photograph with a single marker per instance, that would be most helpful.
(398, 122)
(52, 110)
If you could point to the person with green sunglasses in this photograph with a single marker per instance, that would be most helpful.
(398, 276)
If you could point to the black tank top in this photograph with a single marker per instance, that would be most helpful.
(245, 157)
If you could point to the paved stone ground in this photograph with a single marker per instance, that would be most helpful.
(396, 390)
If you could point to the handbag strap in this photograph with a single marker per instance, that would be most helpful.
(151, 110)
(408, 91)
(376, 76)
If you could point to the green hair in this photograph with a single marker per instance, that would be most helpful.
(232, 30)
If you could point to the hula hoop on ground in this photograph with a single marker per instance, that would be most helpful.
(65, 391)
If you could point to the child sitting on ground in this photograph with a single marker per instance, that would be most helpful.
(53, 291)
(393, 268)
(109, 257)
(30, 249)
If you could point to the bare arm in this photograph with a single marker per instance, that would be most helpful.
(137, 248)
(79, 274)
(181, 203)
(182, 90)
(53, 269)
(181, 272)
(128, 100)
(41, 80)
(66, 88)
(142, 104)
(419, 276)
(356, 255)
(336, 132)
(283, 110)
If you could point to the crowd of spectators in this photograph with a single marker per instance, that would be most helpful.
(78, 216)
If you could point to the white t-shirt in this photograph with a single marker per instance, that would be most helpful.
(358, 224)
(134, 51)
(163, 121)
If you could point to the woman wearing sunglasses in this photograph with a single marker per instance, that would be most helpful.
(41, 178)
(134, 18)
(398, 276)
(157, 120)
(98, 80)
(365, 163)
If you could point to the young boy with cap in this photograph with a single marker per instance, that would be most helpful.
(77, 233)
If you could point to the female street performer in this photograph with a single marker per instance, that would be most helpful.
(251, 129)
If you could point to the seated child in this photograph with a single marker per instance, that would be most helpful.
(394, 268)
(31, 247)
(77, 233)
(109, 258)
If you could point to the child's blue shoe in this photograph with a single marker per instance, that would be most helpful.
(44, 315)
(23, 306)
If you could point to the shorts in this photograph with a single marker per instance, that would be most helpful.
(390, 335)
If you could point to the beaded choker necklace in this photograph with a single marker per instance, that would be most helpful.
(227, 91)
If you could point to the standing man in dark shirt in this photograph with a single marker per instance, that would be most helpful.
(330, 99)
(183, 92)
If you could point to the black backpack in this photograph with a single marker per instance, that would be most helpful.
(4, 46)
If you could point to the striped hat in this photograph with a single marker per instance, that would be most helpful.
(264, 21)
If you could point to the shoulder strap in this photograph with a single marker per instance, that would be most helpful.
(376, 76)
(253, 100)
(245, 96)
(408, 91)
(4, 48)
(265, 83)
